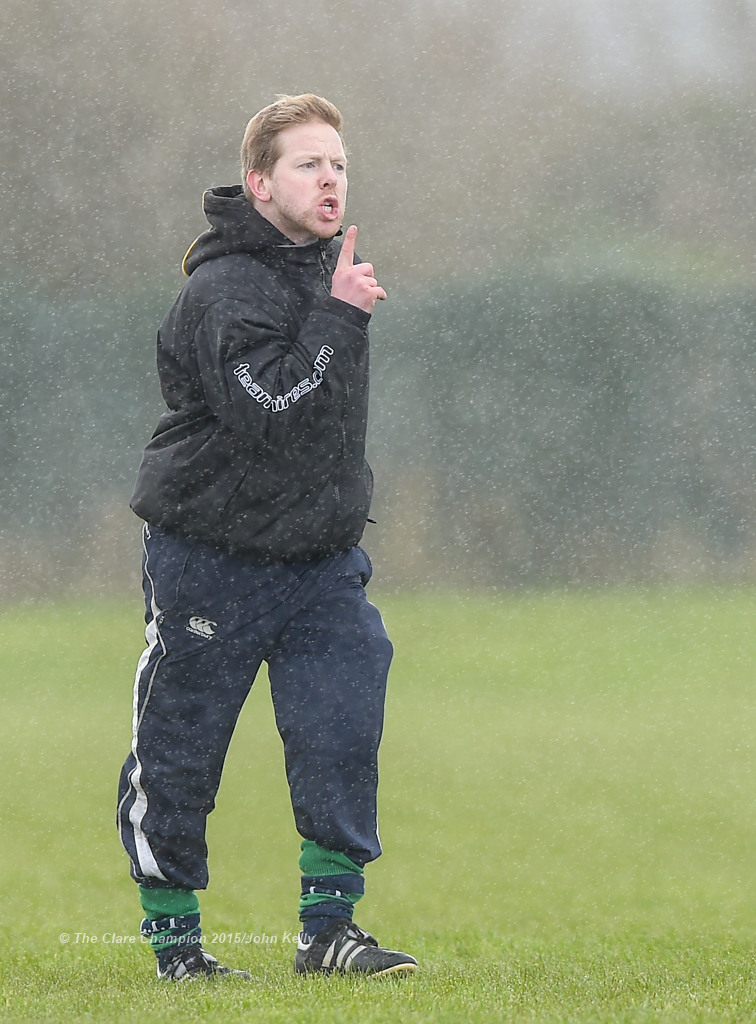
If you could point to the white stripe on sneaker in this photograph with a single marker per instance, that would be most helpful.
(328, 955)
(348, 962)
(345, 950)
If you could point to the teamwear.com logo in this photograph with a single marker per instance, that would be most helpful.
(202, 627)
(279, 403)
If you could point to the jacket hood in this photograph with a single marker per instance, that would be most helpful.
(235, 226)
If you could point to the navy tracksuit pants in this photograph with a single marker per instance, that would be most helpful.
(212, 620)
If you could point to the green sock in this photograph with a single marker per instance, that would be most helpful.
(171, 919)
(316, 860)
(331, 885)
(159, 903)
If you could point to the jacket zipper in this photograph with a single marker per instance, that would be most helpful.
(321, 255)
(342, 433)
(336, 488)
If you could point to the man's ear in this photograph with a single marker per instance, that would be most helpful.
(256, 183)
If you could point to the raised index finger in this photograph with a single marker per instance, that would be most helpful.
(346, 256)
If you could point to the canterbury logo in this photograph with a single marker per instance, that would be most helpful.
(202, 627)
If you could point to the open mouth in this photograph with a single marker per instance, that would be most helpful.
(330, 208)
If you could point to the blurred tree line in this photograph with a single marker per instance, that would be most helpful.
(551, 429)
(558, 199)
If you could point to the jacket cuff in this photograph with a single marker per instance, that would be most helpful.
(346, 311)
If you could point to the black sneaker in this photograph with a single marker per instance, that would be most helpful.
(344, 948)
(193, 962)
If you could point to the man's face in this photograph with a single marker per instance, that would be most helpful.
(304, 195)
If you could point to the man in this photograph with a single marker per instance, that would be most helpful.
(255, 492)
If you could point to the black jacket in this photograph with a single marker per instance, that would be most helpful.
(262, 450)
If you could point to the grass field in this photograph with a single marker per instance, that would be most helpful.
(568, 803)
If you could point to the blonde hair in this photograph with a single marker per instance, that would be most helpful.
(260, 150)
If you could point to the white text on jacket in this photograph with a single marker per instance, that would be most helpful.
(280, 402)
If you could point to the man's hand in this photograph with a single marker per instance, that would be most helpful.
(355, 283)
